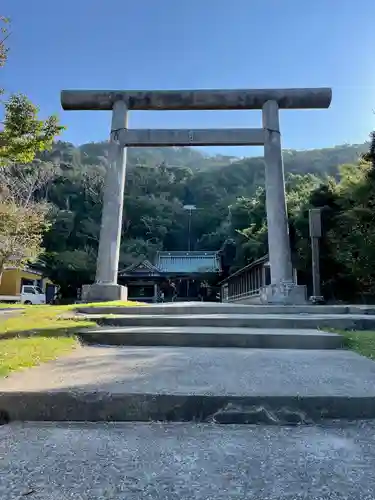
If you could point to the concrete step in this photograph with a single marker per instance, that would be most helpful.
(226, 308)
(284, 321)
(185, 461)
(201, 384)
(213, 337)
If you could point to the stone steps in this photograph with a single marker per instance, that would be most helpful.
(232, 367)
(225, 385)
(212, 337)
(267, 321)
(65, 406)
(226, 308)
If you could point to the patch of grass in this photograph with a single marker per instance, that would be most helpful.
(41, 333)
(361, 342)
(11, 305)
(19, 353)
(113, 303)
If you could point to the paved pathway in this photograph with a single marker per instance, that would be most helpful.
(195, 370)
(187, 462)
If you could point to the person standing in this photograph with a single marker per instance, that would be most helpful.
(173, 291)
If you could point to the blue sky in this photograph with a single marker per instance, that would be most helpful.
(171, 44)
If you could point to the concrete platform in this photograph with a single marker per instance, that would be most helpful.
(187, 461)
(102, 292)
(213, 337)
(180, 384)
(284, 321)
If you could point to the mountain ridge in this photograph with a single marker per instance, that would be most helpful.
(96, 153)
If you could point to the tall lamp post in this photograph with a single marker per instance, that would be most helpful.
(190, 209)
(315, 225)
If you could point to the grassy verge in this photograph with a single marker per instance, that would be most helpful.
(361, 342)
(11, 305)
(40, 333)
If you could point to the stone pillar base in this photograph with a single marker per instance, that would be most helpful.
(100, 292)
(283, 293)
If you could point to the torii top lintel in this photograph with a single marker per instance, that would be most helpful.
(300, 98)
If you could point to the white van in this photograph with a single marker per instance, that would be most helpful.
(30, 294)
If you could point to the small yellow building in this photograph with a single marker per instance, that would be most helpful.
(14, 278)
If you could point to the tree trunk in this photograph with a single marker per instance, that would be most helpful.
(1, 271)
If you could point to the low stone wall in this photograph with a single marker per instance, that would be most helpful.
(254, 299)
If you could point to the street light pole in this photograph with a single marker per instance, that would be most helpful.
(189, 232)
(190, 209)
(315, 225)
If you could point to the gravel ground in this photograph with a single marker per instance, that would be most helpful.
(187, 461)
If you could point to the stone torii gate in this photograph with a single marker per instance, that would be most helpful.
(270, 101)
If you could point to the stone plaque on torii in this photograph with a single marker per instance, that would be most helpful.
(270, 101)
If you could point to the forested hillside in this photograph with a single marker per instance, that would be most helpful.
(228, 194)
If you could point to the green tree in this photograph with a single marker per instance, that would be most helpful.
(22, 134)
(69, 269)
(4, 34)
(23, 220)
(352, 238)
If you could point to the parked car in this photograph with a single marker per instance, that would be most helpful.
(30, 294)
